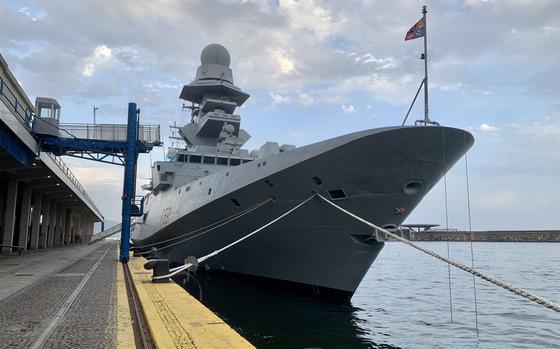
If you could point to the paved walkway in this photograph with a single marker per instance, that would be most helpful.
(17, 272)
(60, 298)
(77, 297)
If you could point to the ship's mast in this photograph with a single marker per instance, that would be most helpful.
(426, 108)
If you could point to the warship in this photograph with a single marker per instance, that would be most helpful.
(211, 191)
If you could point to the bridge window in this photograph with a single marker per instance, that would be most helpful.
(181, 158)
(209, 159)
(195, 159)
(234, 162)
(247, 160)
(222, 161)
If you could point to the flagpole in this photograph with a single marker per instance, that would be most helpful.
(426, 109)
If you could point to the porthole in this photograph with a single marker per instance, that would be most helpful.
(412, 187)
(337, 194)
(390, 227)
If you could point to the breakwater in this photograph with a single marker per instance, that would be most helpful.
(491, 235)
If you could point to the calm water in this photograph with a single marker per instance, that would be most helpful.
(403, 302)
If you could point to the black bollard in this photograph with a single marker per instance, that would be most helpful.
(160, 267)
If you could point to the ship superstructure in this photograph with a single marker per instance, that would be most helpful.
(380, 174)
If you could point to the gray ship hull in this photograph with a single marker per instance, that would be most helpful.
(316, 245)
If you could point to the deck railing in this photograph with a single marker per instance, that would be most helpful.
(110, 132)
(105, 233)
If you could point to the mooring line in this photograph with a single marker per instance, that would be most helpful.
(208, 228)
(41, 340)
(177, 270)
(447, 224)
(471, 241)
(508, 287)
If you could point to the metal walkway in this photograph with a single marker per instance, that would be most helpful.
(99, 142)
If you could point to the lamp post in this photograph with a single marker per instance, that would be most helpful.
(94, 110)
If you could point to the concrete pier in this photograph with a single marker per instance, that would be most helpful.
(10, 215)
(78, 297)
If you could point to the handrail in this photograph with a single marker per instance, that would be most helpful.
(108, 232)
(25, 116)
(112, 132)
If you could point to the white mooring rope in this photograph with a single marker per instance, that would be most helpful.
(471, 241)
(205, 229)
(177, 270)
(446, 223)
(497, 282)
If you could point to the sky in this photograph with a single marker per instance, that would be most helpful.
(315, 70)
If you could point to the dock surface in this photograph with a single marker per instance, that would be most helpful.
(79, 297)
(178, 320)
(67, 301)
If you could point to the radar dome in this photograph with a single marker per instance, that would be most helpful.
(215, 54)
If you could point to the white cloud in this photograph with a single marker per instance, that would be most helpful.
(278, 99)
(488, 128)
(348, 109)
(285, 64)
(305, 99)
(101, 54)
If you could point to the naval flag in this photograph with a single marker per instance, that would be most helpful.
(417, 31)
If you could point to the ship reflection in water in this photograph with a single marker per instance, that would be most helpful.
(271, 316)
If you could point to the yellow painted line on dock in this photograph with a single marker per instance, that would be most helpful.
(125, 332)
(178, 320)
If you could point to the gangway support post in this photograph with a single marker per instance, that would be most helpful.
(129, 189)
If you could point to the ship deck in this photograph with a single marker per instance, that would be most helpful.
(80, 297)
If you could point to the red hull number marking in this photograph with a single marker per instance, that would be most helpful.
(166, 216)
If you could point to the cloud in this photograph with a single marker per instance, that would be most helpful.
(285, 64)
(314, 56)
(101, 55)
(305, 99)
(278, 99)
(488, 128)
(348, 109)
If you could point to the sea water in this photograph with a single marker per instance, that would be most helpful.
(403, 302)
